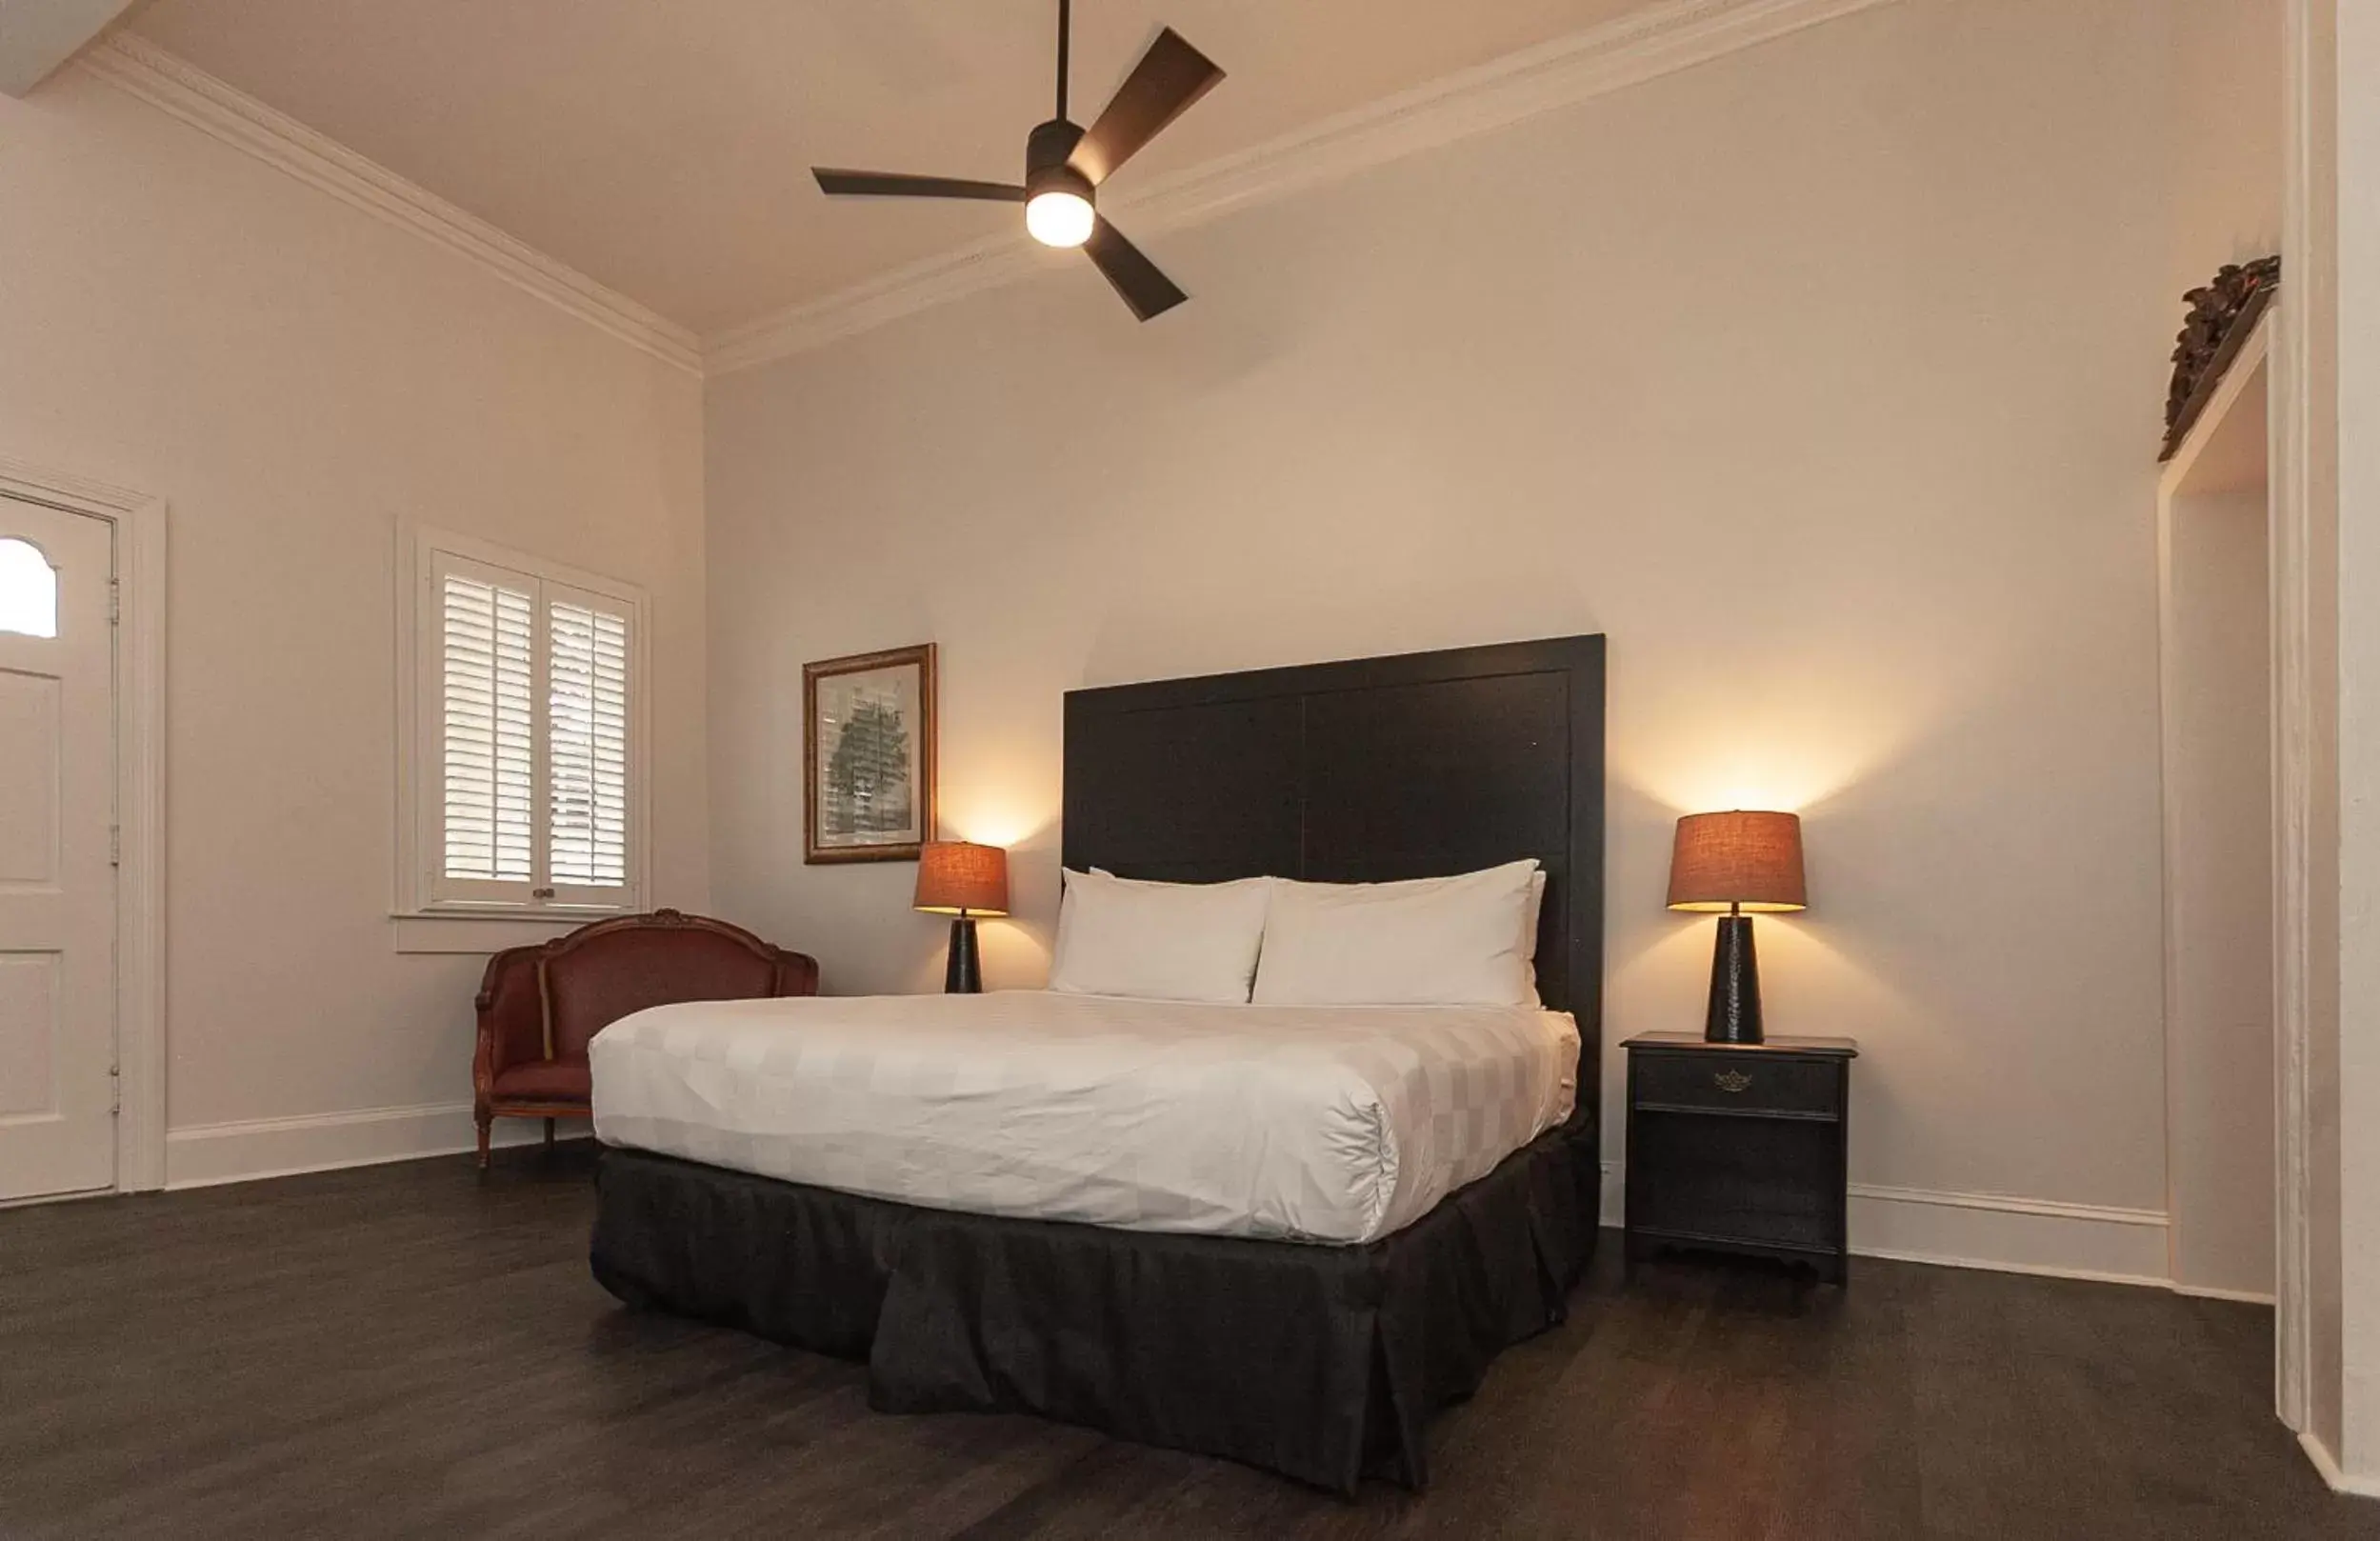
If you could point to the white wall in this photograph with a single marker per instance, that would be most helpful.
(2226, 127)
(2311, 590)
(2358, 234)
(2219, 802)
(296, 376)
(1823, 378)
(2344, 241)
(2227, 179)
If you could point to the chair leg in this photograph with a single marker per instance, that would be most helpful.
(484, 1121)
(548, 1133)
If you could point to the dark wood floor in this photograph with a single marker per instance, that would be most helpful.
(412, 1350)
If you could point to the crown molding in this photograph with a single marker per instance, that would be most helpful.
(1642, 46)
(229, 115)
(904, 290)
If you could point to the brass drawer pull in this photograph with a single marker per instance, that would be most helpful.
(1732, 1081)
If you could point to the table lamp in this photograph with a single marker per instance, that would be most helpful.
(962, 880)
(1738, 863)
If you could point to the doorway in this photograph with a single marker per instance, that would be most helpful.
(82, 836)
(2217, 693)
(57, 832)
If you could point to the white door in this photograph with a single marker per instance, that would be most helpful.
(57, 874)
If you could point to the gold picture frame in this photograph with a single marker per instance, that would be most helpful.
(868, 756)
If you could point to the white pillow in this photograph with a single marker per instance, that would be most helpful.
(1529, 917)
(1158, 941)
(1439, 941)
(1528, 930)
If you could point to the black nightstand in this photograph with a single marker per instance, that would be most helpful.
(1740, 1147)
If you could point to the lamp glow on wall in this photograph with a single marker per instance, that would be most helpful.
(1737, 863)
(963, 880)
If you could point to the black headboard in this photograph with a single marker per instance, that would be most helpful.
(1421, 765)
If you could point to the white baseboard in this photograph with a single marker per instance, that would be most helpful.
(2326, 1464)
(1997, 1232)
(2207, 1291)
(1979, 1231)
(201, 1155)
(1992, 1230)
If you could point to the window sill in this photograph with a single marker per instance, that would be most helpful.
(481, 934)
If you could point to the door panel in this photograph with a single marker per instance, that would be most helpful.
(28, 1003)
(57, 874)
(29, 779)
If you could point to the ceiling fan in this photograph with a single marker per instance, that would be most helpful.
(1065, 163)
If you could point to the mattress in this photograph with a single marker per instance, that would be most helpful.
(1319, 1124)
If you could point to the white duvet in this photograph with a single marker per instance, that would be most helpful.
(1325, 1124)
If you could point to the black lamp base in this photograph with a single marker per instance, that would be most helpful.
(1734, 1016)
(964, 974)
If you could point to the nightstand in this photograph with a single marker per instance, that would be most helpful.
(1740, 1147)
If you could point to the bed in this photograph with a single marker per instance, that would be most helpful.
(1325, 1124)
(1282, 1235)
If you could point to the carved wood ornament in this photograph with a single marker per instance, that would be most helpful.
(2222, 313)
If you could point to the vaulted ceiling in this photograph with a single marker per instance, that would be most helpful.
(662, 149)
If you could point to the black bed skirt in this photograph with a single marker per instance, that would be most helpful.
(1321, 1363)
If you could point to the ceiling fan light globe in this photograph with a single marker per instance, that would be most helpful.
(1059, 218)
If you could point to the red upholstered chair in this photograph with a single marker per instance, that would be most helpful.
(538, 1006)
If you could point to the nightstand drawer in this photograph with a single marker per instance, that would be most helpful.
(1750, 1083)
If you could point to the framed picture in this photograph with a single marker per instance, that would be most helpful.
(868, 768)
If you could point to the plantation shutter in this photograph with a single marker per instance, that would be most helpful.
(487, 725)
(527, 705)
(587, 791)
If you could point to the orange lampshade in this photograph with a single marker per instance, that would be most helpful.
(1723, 861)
(957, 878)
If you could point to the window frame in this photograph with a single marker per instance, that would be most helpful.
(422, 889)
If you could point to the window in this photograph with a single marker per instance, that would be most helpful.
(523, 794)
(28, 590)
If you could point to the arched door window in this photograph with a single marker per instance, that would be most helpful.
(28, 589)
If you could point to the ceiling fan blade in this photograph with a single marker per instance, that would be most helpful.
(1149, 292)
(1161, 88)
(897, 185)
